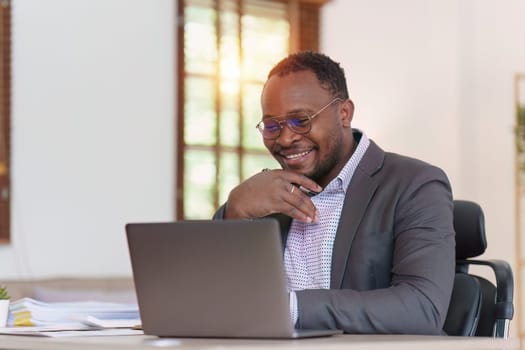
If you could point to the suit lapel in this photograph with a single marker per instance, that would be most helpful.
(359, 193)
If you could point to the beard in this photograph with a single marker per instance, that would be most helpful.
(322, 172)
(334, 156)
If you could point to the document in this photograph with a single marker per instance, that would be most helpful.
(109, 323)
(30, 312)
(72, 319)
(68, 331)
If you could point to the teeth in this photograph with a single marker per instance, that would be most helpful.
(297, 155)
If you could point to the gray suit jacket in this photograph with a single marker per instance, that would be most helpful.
(394, 253)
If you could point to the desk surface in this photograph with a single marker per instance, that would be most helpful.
(353, 342)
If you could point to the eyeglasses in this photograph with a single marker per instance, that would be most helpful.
(300, 123)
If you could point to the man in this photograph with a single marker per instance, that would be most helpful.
(373, 251)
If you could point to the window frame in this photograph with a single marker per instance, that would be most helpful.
(5, 121)
(303, 36)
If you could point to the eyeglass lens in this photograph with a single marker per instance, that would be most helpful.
(271, 128)
(301, 124)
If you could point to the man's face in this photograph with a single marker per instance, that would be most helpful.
(321, 153)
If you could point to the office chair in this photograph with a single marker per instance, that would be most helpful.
(465, 306)
(489, 315)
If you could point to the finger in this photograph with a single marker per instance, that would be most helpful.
(305, 184)
(289, 199)
(299, 206)
(307, 191)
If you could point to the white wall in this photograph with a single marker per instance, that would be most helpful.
(492, 53)
(93, 126)
(401, 62)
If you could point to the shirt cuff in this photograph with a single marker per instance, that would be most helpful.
(293, 308)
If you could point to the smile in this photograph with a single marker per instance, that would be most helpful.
(297, 155)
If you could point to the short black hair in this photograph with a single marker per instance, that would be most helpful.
(329, 73)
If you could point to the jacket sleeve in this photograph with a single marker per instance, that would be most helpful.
(219, 214)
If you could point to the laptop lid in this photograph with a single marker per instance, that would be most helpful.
(211, 279)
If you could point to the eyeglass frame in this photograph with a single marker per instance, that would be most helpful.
(285, 121)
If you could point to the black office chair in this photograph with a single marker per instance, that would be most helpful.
(465, 306)
(478, 307)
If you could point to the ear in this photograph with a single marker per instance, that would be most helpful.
(347, 113)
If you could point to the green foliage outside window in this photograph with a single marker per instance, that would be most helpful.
(520, 137)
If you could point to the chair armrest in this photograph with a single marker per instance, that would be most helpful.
(504, 285)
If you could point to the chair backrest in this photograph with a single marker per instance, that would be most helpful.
(465, 305)
(497, 307)
(488, 315)
(469, 224)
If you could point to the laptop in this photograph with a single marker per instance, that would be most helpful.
(210, 278)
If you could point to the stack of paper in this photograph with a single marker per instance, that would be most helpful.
(62, 331)
(30, 312)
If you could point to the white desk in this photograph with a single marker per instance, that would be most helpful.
(346, 342)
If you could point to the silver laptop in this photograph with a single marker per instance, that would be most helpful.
(212, 279)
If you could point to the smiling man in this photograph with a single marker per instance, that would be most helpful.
(369, 238)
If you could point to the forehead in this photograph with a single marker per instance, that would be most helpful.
(294, 91)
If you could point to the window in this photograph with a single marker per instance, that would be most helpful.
(5, 112)
(226, 48)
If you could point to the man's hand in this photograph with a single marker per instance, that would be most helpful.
(274, 191)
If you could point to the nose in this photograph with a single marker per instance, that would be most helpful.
(287, 135)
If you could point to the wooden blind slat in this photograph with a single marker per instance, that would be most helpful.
(309, 27)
